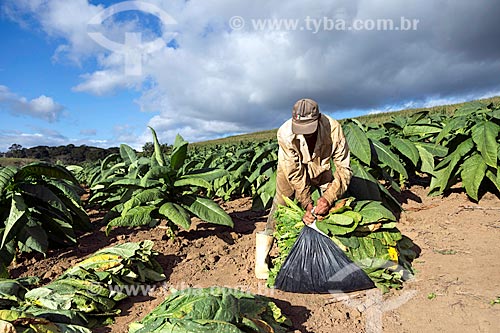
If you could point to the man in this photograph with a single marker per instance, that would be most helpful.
(307, 142)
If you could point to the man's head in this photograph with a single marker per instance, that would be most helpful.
(305, 115)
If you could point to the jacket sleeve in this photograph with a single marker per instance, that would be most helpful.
(342, 175)
(295, 172)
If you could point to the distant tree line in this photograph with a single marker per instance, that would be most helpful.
(69, 154)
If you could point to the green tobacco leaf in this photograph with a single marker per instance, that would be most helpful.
(241, 170)
(446, 170)
(149, 195)
(208, 175)
(137, 216)
(420, 130)
(357, 217)
(407, 148)
(32, 237)
(126, 250)
(44, 194)
(45, 169)
(207, 210)
(392, 237)
(348, 241)
(158, 154)
(331, 229)
(363, 185)
(469, 108)
(454, 124)
(495, 178)
(108, 160)
(142, 197)
(6, 175)
(265, 193)
(192, 181)
(434, 149)
(60, 231)
(427, 160)
(397, 122)
(295, 207)
(376, 134)
(455, 156)
(484, 135)
(339, 219)
(358, 142)
(17, 212)
(176, 214)
(366, 248)
(262, 153)
(116, 170)
(179, 153)
(440, 180)
(154, 174)
(260, 170)
(127, 182)
(473, 171)
(373, 211)
(128, 154)
(65, 189)
(386, 156)
(418, 117)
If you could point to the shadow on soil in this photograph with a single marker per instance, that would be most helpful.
(406, 196)
(124, 306)
(244, 224)
(488, 189)
(297, 314)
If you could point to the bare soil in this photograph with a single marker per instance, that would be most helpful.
(458, 269)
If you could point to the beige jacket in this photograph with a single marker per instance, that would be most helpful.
(297, 170)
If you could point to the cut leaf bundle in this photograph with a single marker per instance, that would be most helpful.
(15, 321)
(86, 294)
(216, 310)
(316, 264)
(127, 263)
(365, 230)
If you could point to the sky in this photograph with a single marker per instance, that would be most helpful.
(100, 72)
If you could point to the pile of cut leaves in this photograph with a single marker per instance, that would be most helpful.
(215, 309)
(85, 296)
(365, 230)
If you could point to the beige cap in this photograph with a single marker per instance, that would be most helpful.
(305, 115)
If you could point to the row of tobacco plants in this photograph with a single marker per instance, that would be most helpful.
(40, 203)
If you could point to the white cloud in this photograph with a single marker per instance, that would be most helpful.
(103, 82)
(42, 107)
(219, 81)
(191, 129)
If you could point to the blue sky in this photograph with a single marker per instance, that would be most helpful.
(207, 79)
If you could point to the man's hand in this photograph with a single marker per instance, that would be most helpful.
(308, 217)
(322, 206)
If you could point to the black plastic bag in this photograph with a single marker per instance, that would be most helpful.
(316, 264)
